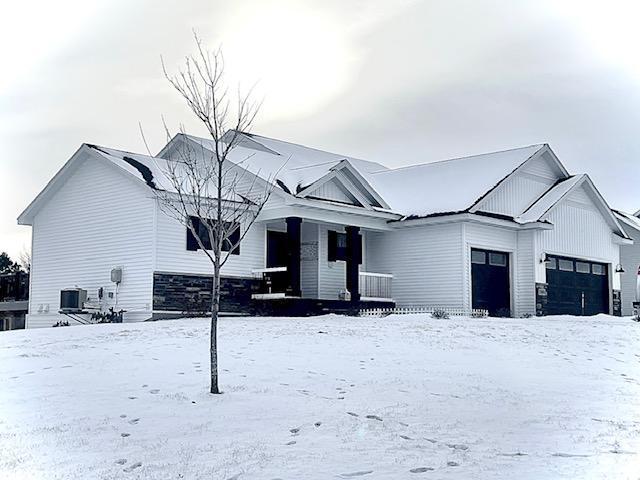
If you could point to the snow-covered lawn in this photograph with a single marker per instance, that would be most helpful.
(326, 397)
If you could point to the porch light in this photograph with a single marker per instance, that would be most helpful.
(619, 269)
(544, 258)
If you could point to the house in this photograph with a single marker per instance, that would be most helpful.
(510, 232)
(14, 294)
(630, 259)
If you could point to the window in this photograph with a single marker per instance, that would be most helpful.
(478, 257)
(583, 267)
(203, 233)
(498, 259)
(598, 269)
(551, 263)
(337, 246)
(565, 265)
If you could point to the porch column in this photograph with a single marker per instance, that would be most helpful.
(293, 256)
(354, 258)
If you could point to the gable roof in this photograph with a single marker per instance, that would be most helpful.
(559, 191)
(448, 185)
(290, 166)
(628, 219)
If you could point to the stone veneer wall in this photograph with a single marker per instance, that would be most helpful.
(192, 293)
(617, 303)
(541, 299)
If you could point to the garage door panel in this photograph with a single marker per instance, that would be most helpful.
(576, 287)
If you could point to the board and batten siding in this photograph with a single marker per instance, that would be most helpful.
(580, 231)
(518, 192)
(630, 260)
(172, 255)
(98, 220)
(426, 263)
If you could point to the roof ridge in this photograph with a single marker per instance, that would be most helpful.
(539, 145)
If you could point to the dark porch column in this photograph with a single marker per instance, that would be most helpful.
(293, 263)
(354, 258)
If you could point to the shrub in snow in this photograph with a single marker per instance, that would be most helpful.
(526, 315)
(439, 313)
(479, 314)
(61, 323)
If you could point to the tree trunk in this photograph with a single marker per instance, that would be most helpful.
(213, 349)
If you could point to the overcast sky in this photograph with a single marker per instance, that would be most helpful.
(398, 82)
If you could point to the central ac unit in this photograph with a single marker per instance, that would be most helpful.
(72, 299)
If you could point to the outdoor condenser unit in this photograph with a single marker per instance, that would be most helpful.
(72, 299)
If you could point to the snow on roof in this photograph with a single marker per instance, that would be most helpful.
(448, 185)
(151, 170)
(628, 219)
(549, 199)
(294, 166)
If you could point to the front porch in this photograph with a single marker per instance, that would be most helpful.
(318, 267)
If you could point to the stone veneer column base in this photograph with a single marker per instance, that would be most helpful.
(617, 303)
(541, 299)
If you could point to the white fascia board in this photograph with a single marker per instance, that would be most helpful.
(355, 191)
(618, 240)
(322, 215)
(340, 208)
(354, 171)
(472, 218)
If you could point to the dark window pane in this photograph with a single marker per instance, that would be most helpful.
(551, 263)
(478, 257)
(565, 265)
(582, 267)
(200, 227)
(337, 246)
(498, 259)
(598, 269)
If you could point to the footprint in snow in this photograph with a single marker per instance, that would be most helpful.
(235, 477)
(356, 474)
(121, 461)
(123, 416)
(154, 391)
(515, 454)
(292, 442)
(569, 455)
(352, 414)
(374, 417)
(405, 437)
(132, 398)
(452, 464)
(317, 424)
(134, 421)
(125, 435)
(132, 467)
(421, 469)
(295, 430)
(457, 446)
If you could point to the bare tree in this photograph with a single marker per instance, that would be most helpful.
(214, 198)
(24, 259)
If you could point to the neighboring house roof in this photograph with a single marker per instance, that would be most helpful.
(447, 185)
(628, 219)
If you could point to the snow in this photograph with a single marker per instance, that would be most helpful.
(296, 166)
(549, 199)
(628, 219)
(448, 185)
(324, 397)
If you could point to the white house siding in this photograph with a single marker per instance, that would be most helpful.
(332, 276)
(630, 260)
(519, 191)
(579, 231)
(331, 191)
(172, 255)
(309, 259)
(426, 262)
(525, 274)
(489, 238)
(98, 220)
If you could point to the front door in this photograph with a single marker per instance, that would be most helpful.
(490, 282)
(277, 256)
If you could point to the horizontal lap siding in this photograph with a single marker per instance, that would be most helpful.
(331, 275)
(426, 263)
(630, 260)
(98, 220)
(309, 260)
(173, 256)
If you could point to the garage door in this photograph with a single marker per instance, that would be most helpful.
(490, 282)
(576, 287)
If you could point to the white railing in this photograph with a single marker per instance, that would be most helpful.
(375, 286)
(272, 285)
